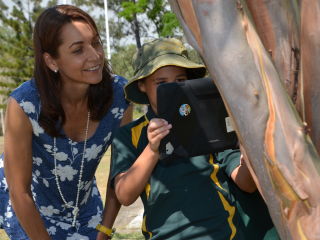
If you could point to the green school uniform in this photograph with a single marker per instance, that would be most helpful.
(257, 223)
(184, 199)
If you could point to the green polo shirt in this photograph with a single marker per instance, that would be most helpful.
(255, 215)
(184, 199)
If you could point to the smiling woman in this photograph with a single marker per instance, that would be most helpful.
(58, 126)
(84, 57)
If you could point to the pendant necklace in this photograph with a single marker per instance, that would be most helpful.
(75, 210)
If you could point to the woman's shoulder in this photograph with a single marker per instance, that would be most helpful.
(117, 79)
(27, 97)
(26, 90)
(118, 83)
(119, 101)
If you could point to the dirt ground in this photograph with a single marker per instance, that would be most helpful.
(130, 218)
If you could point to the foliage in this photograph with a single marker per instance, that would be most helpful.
(16, 55)
(15, 51)
(121, 60)
(157, 11)
(136, 16)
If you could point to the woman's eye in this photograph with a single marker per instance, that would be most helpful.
(77, 51)
(159, 83)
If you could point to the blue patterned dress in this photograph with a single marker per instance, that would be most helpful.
(57, 217)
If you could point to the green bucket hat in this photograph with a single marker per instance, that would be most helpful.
(154, 55)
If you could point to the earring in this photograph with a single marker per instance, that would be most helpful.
(55, 71)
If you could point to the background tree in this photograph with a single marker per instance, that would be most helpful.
(145, 19)
(16, 56)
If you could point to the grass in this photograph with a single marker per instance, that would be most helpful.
(137, 236)
(3, 235)
(102, 177)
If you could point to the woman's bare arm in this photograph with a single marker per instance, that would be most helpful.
(110, 212)
(18, 170)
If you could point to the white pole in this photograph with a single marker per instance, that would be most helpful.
(2, 120)
(107, 28)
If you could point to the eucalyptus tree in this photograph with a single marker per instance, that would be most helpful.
(264, 56)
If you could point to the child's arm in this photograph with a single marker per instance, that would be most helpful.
(242, 177)
(130, 184)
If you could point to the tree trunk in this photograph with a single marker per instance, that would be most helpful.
(282, 157)
(136, 29)
(309, 98)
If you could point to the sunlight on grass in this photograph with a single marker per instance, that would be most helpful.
(102, 173)
(3, 235)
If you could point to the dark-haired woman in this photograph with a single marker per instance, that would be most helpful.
(58, 126)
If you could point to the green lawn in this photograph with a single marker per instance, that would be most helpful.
(102, 176)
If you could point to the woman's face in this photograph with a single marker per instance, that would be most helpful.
(162, 75)
(81, 55)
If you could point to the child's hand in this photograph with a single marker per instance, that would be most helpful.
(158, 128)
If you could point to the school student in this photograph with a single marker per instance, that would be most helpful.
(186, 198)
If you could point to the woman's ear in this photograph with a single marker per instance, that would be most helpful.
(141, 86)
(50, 62)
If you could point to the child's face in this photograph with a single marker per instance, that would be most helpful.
(162, 75)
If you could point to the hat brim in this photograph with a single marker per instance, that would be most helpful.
(132, 92)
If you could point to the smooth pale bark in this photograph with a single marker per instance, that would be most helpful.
(281, 155)
(277, 24)
(309, 88)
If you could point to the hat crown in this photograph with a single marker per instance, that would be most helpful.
(156, 48)
(155, 55)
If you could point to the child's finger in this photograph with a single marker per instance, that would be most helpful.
(161, 129)
(156, 123)
(160, 136)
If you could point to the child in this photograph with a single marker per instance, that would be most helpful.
(186, 199)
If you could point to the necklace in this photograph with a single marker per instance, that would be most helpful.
(75, 210)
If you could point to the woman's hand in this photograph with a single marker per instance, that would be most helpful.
(158, 128)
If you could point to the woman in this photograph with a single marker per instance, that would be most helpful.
(58, 126)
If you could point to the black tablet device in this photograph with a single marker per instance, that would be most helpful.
(200, 122)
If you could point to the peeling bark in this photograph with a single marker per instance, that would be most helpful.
(277, 25)
(309, 98)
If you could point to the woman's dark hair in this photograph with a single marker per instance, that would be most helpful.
(47, 39)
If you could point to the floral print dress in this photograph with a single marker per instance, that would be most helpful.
(58, 217)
